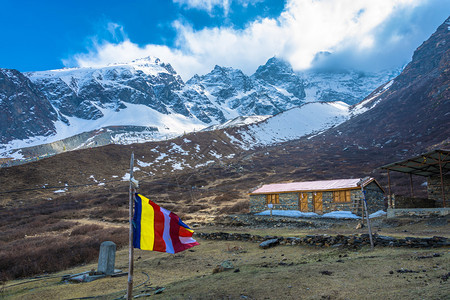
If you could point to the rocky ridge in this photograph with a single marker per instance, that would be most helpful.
(24, 110)
(149, 93)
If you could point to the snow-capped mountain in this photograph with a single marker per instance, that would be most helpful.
(346, 86)
(307, 120)
(147, 93)
(85, 92)
(24, 110)
(237, 122)
(272, 89)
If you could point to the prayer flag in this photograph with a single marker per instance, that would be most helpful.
(157, 229)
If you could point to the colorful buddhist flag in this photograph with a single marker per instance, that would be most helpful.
(157, 229)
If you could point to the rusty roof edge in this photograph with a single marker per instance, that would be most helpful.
(446, 151)
(367, 181)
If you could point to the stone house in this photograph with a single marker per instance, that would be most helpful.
(319, 196)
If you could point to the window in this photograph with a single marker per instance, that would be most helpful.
(341, 196)
(273, 198)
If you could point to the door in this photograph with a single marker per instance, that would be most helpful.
(303, 199)
(317, 202)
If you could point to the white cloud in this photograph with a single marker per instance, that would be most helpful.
(304, 29)
(206, 5)
(209, 5)
(116, 31)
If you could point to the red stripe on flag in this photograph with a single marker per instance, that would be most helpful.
(184, 232)
(159, 243)
(174, 230)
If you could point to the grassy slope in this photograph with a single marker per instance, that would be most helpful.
(360, 274)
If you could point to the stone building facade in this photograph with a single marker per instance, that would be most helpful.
(319, 196)
(434, 189)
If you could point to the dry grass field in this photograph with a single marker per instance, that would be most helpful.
(282, 272)
(43, 232)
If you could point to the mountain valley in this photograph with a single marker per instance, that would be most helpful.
(202, 175)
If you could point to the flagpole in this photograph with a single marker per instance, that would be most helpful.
(131, 249)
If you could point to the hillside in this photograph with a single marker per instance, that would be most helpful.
(147, 93)
(411, 116)
(204, 175)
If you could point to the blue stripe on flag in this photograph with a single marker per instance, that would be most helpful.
(137, 222)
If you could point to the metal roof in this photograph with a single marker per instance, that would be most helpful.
(426, 164)
(322, 185)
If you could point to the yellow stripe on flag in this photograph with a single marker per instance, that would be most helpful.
(147, 225)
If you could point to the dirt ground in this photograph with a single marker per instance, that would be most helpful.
(282, 272)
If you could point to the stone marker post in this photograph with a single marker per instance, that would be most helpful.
(107, 258)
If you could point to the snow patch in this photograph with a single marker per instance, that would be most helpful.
(177, 166)
(143, 164)
(288, 213)
(377, 214)
(340, 215)
(310, 118)
(333, 214)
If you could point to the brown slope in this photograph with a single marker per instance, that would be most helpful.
(411, 117)
(415, 110)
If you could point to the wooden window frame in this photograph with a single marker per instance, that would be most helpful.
(342, 196)
(273, 198)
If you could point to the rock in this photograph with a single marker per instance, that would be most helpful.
(159, 291)
(406, 271)
(224, 266)
(269, 243)
(107, 258)
(329, 273)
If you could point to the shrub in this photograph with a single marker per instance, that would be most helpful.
(226, 197)
(239, 207)
(85, 229)
(30, 256)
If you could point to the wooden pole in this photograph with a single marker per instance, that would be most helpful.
(411, 185)
(442, 181)
(130, 249)
(361, 182)
(389, 186)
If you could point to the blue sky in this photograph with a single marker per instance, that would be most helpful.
(194, 35)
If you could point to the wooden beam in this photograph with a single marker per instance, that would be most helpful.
(442, 181)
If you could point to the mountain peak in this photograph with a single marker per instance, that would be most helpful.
(274, 65)
(279, 72)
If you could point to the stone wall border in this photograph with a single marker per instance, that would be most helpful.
(417, 212)
(344, 241)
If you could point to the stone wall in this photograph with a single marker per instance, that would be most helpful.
(288, 201)
(414, 202)
(327, 200)
(434, 189)
(257, 203)
(344, 241)
(417, 212)
(375, 198)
